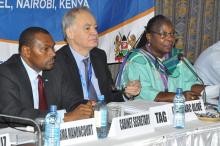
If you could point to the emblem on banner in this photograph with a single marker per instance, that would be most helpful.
(123, 44)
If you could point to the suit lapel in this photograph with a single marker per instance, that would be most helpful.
(24, 80)
(49, 90)
(74, 71)
(98, 69)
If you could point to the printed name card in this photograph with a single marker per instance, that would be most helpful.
(163, 115)
(5, 140)
(196, 106)
(131, 125)
(192, 107)
(77, 131)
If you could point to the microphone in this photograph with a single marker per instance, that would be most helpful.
(22, 120)
(181, 58)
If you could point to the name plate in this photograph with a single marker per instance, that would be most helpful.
(131, 125)
(163, 115)
(5, 140)
(77, 131)
(196, 106)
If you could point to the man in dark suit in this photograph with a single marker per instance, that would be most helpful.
(79, 27)
(20, 74)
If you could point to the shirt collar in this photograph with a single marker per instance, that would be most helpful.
(78, 57)
(32, 74)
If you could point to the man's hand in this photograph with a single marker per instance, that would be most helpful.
(83, 111)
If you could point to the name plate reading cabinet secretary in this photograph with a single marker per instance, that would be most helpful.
(5, 140)
(163, 115)
(77, 131)
(131, 125)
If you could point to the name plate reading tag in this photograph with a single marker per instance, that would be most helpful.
(196, 106)
(161, 115)
(131, 125)
(5, 140)
(77, 131)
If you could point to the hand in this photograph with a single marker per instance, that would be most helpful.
(83, 111)
(191, 95)
(132, 89)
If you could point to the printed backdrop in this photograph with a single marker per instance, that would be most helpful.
(120, 22)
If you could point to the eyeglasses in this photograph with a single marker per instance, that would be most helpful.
(165, 34)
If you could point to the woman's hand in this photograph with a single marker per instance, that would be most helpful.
(191, 95)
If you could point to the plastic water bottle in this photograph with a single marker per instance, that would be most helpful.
(179, 109)
(100, 114)
(219, 101)
(52, 128)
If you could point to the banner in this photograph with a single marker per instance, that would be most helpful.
(120, 22)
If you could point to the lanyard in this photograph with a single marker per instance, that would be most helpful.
(159, 66)
(89, 75)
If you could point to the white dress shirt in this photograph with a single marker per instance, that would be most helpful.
(79, 61)
(207, 65)
(32, 74)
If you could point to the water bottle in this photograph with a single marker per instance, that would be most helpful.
(52, 128)
(179, 109)
(100, 114)
(219, 101)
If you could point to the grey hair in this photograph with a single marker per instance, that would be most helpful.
(69, 17)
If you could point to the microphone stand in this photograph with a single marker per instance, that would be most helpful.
(39, 137)
(180, 57)
(207, 105)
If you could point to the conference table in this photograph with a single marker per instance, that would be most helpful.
(195, 133)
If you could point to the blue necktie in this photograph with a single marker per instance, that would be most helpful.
(90, 88)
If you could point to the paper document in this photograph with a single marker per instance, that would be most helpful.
(136, 106)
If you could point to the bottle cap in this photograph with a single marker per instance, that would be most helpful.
(101, 97)
(53, 108)
(179, 91)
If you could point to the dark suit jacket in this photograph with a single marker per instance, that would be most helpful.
(66, 69)
(16, 93)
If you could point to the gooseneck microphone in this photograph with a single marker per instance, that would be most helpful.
(21, 120)
(181, 58)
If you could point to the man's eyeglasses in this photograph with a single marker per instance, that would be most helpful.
(165, 34)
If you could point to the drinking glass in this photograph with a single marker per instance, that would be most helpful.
(131, 82)
(114, 111)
